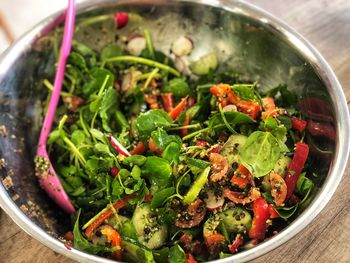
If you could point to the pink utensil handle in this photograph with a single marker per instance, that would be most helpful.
(65, 50)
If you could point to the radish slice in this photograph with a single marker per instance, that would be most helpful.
(214, 202)
(136, 44)
(182, 65)
(118, 147)
(121, 19)
(229, 107)
(183, 46)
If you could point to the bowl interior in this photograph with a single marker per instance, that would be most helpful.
(251, 47)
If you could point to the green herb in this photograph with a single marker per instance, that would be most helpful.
(178, 87)
(261, 152)
(176, 254)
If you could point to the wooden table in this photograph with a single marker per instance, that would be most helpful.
(326, 24)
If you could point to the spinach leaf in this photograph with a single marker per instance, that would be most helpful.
(160, 196)
(111, 51)
(82, 244)
(162, 139)
(304, 185)
(196, 165)
(233, 118)
(161, 255)
(178, 87)
(172, 152)
(279, 131)
(77, 60)
(135, 254)
(158, 171)
(261, 152)
(149, 121)
(109, 104)
(245, 91)
(176, 254)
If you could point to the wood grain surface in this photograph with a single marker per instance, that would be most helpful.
(326, 24)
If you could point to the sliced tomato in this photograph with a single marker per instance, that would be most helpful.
(174, 113)
(249, 107)
(242, 177)
(219, 166)
(140, 148)
(223, 92)
(214, 242)
(190, 258)
(116, 240)
(242, 198)
(278, 189)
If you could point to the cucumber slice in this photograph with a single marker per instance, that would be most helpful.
(231, 148)
(116, 221)
(236, 220)
(150, 233)
(282, 166)
(197, 186)
(205, 64)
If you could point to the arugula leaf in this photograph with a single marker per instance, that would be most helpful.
(261, 152)
(176, 254)
(172, 152)
(162, 139)
(158, 171)
(82, 244)
(160, 196)
(109, 103)
(98, 77)
(135, 159)
(178, 87)
(151, 120)
(196, 165)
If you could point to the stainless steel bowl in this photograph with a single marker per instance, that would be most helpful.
(246, 39)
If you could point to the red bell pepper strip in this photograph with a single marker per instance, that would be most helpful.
(118, 205)
(242, 177)
(298, 124)
(273, 213)
(178, 109)
(184, 131)
(261, 214)
(116, 240)
(140, 148)
(300, 156)
(202, 143)
(168, 101)
(190, 258)
(236, 243)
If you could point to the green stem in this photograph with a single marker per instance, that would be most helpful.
(83, 124)
(146, 75)
(144, 61)
(95, 217)
(149, 43)
(193, 134)
(222, 113)
(48, 85)
(93, 20)
(191, 126)
(68, 142)
(150, 77)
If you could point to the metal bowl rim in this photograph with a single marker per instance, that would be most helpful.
(298, 42)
